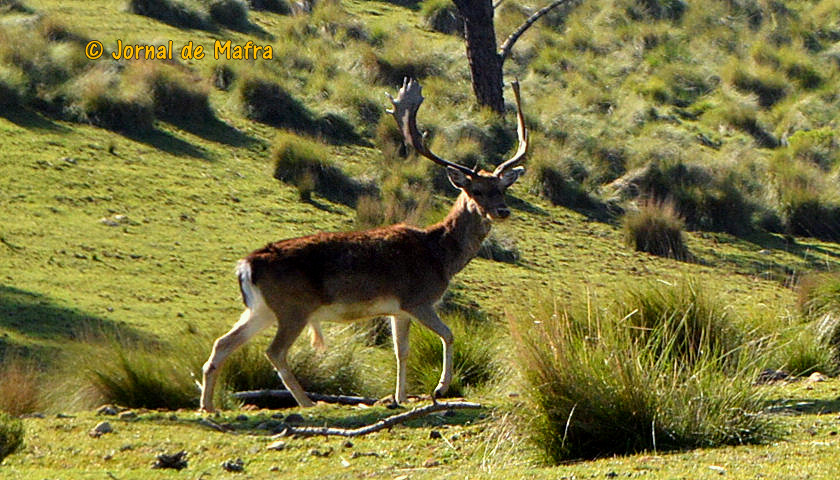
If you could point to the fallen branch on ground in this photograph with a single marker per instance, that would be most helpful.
(285, 395)
(380, 425)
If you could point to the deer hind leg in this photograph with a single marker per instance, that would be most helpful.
(399, 330)
(287, 332)
(427, 316)
(250, 323)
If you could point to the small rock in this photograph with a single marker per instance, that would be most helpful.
(64, 415)
(106, 410)
(101, 429)
(765, 251)
(277, 416)
(817, 377)
(177, 461)
(242, 418)
(434, 434)
(430, 463)
(294, 419)
(274, 469)
(450, 413)
(128, 415)
(348, 444)
(455, 437)
(611, 474)
(233, 465)
(717, 469)
(278, 445)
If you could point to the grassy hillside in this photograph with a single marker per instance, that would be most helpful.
(130, 188)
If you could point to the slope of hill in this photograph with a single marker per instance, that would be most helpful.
(130, 188)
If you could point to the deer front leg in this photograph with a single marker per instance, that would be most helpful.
(427, 316)
(250, 323)
(399, 331)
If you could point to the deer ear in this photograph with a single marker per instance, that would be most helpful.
(458, 178)
(510, 175)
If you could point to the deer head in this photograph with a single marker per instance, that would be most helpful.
(486, 190)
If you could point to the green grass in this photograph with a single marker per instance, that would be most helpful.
(133, 230)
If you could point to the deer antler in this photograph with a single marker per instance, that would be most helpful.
(521, 132)
(405, 109)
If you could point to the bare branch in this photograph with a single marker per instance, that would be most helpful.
(380, 425)
(504, 52)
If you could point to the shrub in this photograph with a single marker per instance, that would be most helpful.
(230, 13)
(475, 361)
(11, 435)
(171, 12)
(595, 388)
(21, 385)
(656, 228)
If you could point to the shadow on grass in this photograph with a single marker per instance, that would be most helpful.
(169, 143)
(805, 406)
(217, 131)
(31, 120)
(341, 417)
(38, 317)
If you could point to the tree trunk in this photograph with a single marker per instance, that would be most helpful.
(485, 61)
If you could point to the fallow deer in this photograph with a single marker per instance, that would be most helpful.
(398, 271)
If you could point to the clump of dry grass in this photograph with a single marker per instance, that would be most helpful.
(656, 228)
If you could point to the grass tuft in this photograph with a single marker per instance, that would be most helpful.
(142, 377)
(305, 164)
(475, 362)
(596, 388)
(20, 382)
(230, 13)
(171, 12)
(656, 228)
(277, 6)
(11, 435)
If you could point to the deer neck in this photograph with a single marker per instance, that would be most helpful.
(461, 234)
